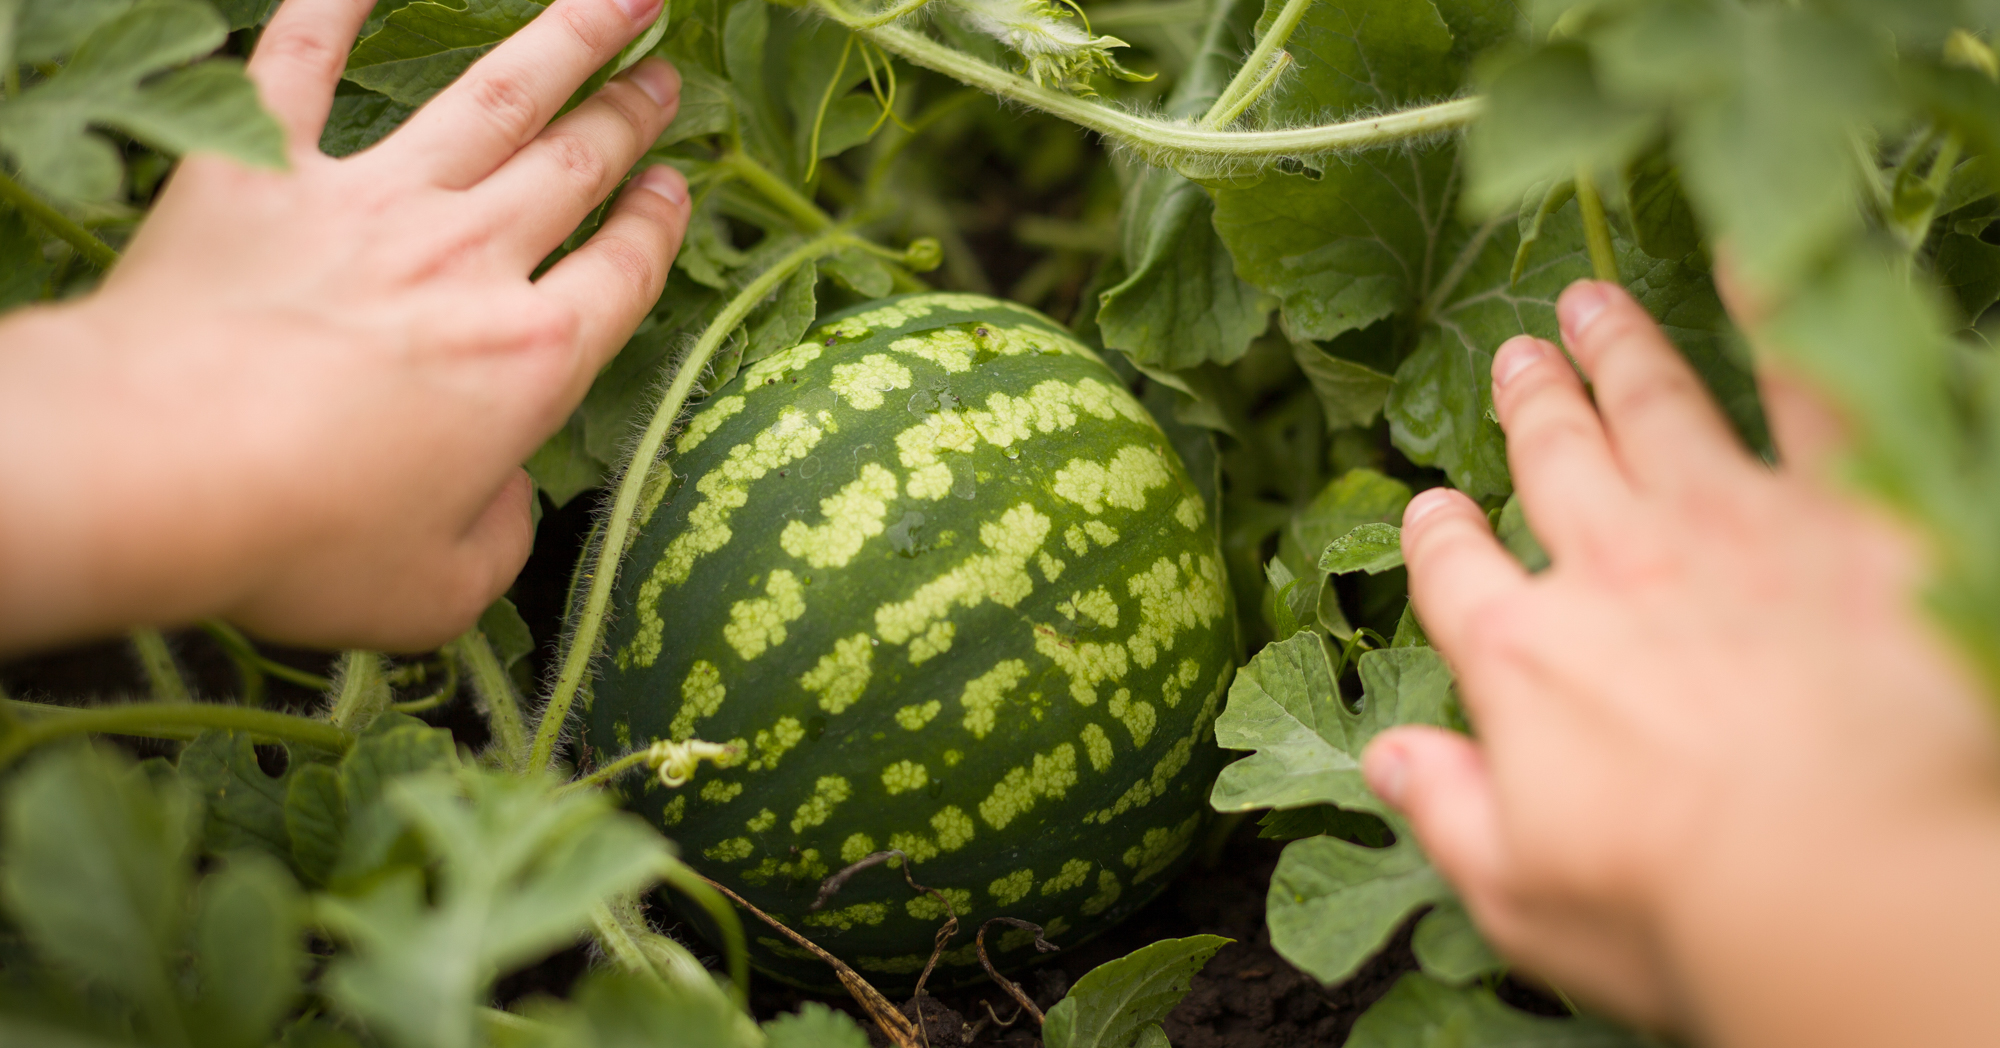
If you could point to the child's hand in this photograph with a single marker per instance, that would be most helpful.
(1727, 777)
(302, 399)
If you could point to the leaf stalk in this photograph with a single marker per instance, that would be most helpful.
(1597, 229)
(158, 661)
(1260, 68)
(95, 251)
(41, 723)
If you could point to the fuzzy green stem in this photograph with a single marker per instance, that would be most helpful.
(692, 885)
(809, 218)
(240, 649)
(496, 694)
(41, 723)
(438, 697)
(1257, 90)
(364, 694)
(902, 10)
(1161, 139)
(1596, 229)
(607, 773)
(158, 661)
(1260, 69)
(582, 645)
(97, 252)
(1918, 229)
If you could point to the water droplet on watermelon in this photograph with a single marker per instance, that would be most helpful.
(1012, 453)
(937, 788)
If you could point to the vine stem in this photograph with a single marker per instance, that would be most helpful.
(1162, 138)
(810, 219)
(97, 252)
(1260, 69)
(582, 645)
(496, 694)
(239, 647)
(1596, 229)
(158, 661)
(364, 691)
(162, 720)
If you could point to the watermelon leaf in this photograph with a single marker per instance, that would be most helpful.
(1420, 1012)
(1115, 1003)
(1373, 548)
(1450, 949)
(424, 46)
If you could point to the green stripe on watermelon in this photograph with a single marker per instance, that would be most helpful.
(948, 588)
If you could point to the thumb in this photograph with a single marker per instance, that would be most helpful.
(1437, 779)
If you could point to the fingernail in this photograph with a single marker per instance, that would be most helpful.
(637, 10)
(667, 182)
(1425, 504)
(660, 81)
(1518, 355)
(1387, 770)
(1581, 305)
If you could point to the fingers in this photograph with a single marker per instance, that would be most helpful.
(614, 279)
(505, 99)
(1665, 429)
(540, 195)
(1438, 780)
(1456, 565)
(1569, 484)
(299, 60)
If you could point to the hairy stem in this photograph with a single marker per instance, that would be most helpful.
(907, 7)
(1596, 229)
(1161, 140)
(583, 641)
(704, 894)
(161, 674)
(40, 723)
(806, 214)
(363, 694)
(1243, 102)
(1260, 69)
(496, 696)
(97, 252)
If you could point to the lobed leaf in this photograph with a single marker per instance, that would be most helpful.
(1373, 548)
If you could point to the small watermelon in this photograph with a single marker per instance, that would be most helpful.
(947, 589)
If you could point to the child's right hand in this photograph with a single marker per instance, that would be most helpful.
(302, 399)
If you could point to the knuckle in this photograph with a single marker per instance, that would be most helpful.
(596, 26)
(636, 113)
(550, 326)
(579, 159)
(508, 104)
(1649, 392)
(630, 261)
(297, 47)
(1546, 434)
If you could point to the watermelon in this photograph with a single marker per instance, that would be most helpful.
(945, 587)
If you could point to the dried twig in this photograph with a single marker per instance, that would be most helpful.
(895, 1025)
(831, 886)
(1013, 988)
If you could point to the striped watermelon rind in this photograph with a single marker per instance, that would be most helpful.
(948, 589)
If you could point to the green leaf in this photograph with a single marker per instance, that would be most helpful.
(1286, 706)
(1373, 548)
(629, 386)
(859, 272)
(1350, 393)
(1359, 496)
(113, 80)
(1114, 1002)
(508, 631)
(1181, 304)
(1683, 299)
(706, 107)
(1969, 269)
(1333, 904)
(315, 821)
(614, 1009)
(360, 118)
(1663, 221)
(24, 270)
(45, 30)
(1513, 533)
(245, 808)
(424, 46)
(1357, 827)
(783, 321)
(518, 871)
(1293, 602)
(96, 874)
(242, 14)
(1351, 55)
(1546, 119)
(249, 951)
(1450, 949)
(563, 466)
(814, 1025)
(1419, 1012)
